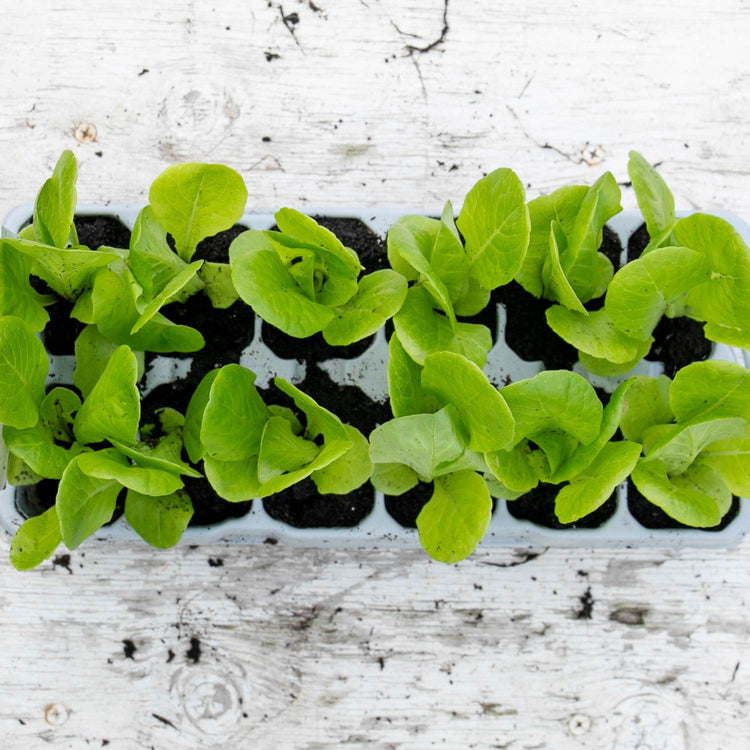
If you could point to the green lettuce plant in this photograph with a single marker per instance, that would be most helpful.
(694, 431)
(250, 450)
(302, 280)
(563, 262)
(453, 266)
(696, 266)
(91, 446)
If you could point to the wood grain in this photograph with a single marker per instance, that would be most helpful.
(277, 648)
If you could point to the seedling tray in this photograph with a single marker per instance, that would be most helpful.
(368, 371)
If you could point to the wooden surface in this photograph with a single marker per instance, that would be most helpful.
(376, 102)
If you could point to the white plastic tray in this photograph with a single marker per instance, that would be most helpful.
(369, 372)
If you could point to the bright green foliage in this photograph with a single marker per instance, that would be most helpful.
(250, 450)
(592, 486)
(160, 521)
(563, 435)
(36, 540)
(117, 308)
(422, 331)
(456, 517)
(563, 263)
(723, 300)
(67, 270)
(694, 437)
(494, 221)
(56, 204)
(195, 201)
(450, 279)
(112, 409)
(302, 280)
(482, 411)
(17, 297)
(654, 199)
(23, 370)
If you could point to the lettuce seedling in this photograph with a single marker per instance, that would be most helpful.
(563, 263)
(697, 266)
(302, 280)
(449, 414)
(65, 443)
(563, 435)
(250, 450)
(696, 446)
(450, 277)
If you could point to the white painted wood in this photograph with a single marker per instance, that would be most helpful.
(367, 649)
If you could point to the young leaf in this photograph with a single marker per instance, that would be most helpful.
(562, 206)
(494, 221)
(423, 442)
(36, 448)
(554, 400)
(725, 298)
(159, 521)
(591, 488)
(165, 456)
(17, 297)
(697, 500)
(678, 448)
(655, 200)
(151, 259)
(114, 310)
(456, 517)
(519, 469)
(217, 284)
(423, 331)
(646, 405)
(393, 479)
(93, 352)
(455, 380)
(583, 455)
(67, 270)
(281, 451)
(36, 540)
(194, 201)
(84, 504)
(234, 415)
(265, 283)
(111, 464)
(170, 291)
(411, 242)
(404, 383)
(113, 408)
(234, 481)
(595, 334)
(55, 205)
(731, 461)
(709, 390)
(194, 413)
(556, 283)
(348, 472)
(379, 296)
(23, 369)
(320, 421)
(599, 205)
(642, 290)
